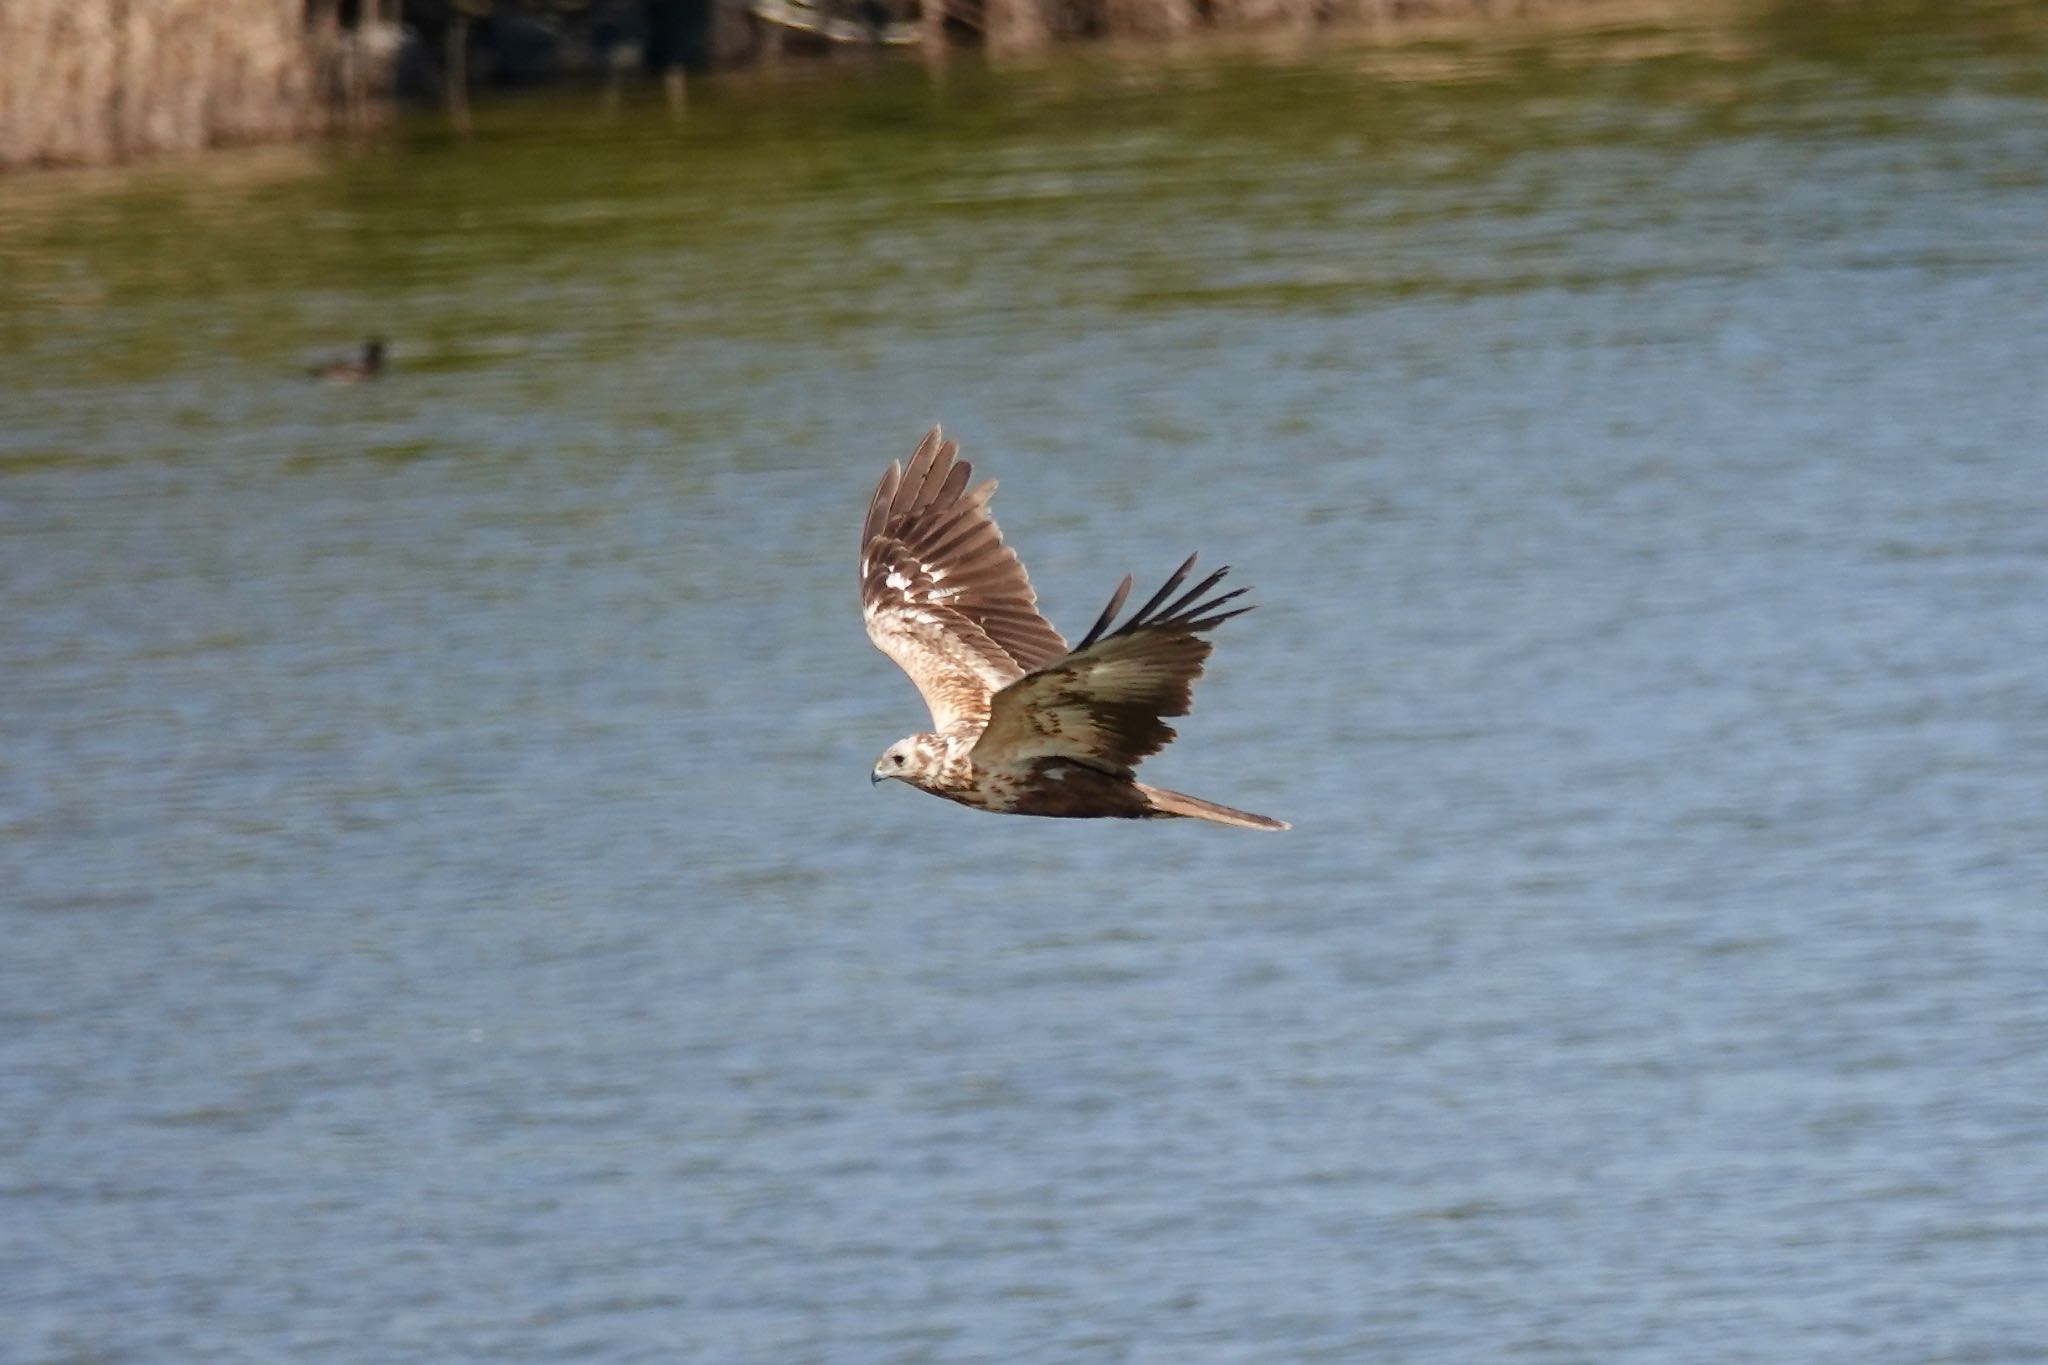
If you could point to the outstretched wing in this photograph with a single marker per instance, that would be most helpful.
(1102, 704)
(943, 596)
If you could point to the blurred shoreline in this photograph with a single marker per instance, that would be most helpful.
(100, 82)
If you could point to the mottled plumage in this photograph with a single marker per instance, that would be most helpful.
(1022, 724)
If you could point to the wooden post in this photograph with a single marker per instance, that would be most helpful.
(677, 31)
(455, 81)
(1014, 28)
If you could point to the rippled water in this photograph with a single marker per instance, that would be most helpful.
(446, 915)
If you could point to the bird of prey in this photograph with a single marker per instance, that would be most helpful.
(1022, 724)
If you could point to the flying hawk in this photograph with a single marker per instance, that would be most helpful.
(1022, 724)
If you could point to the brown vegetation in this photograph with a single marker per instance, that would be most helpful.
(87, 81)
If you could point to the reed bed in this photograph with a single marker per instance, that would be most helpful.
(93, 81)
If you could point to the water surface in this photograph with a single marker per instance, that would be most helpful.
(447, 917)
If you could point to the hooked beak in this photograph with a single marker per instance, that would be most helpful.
(874, 777)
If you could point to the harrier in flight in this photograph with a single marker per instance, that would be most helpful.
(1022, 724)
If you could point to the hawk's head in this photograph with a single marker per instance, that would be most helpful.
(915, 760)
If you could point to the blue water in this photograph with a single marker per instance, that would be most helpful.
(446, 916)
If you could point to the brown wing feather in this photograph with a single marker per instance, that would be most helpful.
(1102, 705)
(943, 596)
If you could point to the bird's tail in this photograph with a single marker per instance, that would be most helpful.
(1164, 802)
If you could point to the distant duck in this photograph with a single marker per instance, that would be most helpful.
(368, 365)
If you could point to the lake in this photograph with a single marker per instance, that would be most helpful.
(447, 917)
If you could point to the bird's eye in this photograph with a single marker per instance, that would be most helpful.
(897, 760)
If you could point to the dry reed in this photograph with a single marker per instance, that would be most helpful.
(93, 81)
